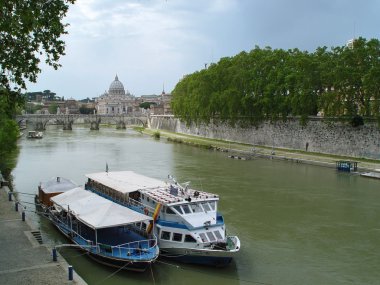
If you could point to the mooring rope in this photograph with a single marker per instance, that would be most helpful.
(222, 275)
(112, 274)
(151, 271)
(71, 255)
(24, 193)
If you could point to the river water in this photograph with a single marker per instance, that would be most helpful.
(298, 224)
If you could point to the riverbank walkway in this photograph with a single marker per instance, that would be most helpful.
(249, 151)
(22, 259)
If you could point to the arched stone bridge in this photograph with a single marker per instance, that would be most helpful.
(40, 121)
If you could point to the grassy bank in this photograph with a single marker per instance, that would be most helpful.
(257, 150)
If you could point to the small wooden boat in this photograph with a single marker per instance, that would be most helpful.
(51, 188)
(35, 135)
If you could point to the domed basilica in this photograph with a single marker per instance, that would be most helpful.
(116, 100)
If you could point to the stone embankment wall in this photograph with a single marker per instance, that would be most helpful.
(317, 136)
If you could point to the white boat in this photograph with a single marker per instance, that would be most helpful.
(186, 221)
(35, 135)
(106, 230)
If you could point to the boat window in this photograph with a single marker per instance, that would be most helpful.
(196, 208)
(165, 235)
(147, 198)
(212, 205)
(206, 207)
(211, 236)
(143, 226)
(169, 211)
(186, 209)
(179, 209)
(218, 235)
(203, 237)
(143, 197)
(177, 237)
(189, 238)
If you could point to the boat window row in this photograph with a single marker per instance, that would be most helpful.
(210, 236)
(192, 208)
(178, 237)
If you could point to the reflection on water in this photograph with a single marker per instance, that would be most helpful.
(298, 224)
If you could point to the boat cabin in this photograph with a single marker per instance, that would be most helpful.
(53, 187)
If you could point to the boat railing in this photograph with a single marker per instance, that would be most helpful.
(141, 232)
(147, 210)
(135, 249)
(129, 202)
(86, 243)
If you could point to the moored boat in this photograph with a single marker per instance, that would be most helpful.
(35, 135)
(106, 230)
(186, 221)
(51, 188)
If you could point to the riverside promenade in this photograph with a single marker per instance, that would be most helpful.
(22, 259)
(250, 151)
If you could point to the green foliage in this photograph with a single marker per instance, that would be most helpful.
(357, 121)
(29, 29)
(32, 108)
(267, 84)
(146, 105)
(84, 110)
(9, 130)
(139, 129)
(156, 135)
(53, 108)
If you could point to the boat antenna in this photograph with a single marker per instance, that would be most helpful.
(200, 182)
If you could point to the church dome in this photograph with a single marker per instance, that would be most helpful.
(116, 87)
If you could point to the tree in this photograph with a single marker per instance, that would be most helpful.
(8, 135)
(146, 105)
(53, 108)
(267, 84)
(28, 30)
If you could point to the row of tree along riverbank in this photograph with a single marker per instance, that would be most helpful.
(267, 84)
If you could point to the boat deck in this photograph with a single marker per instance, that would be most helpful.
(172, 195)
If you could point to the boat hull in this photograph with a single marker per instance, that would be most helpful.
(121, 264)
(195, 256)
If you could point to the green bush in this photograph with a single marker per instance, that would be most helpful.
(156, 135)
(357, 121)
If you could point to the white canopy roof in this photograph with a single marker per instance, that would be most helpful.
(58, 184)
(125, 181)
(96, 211)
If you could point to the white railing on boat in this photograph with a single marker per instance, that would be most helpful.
(125, 201)
(135, 249)
(130, 248)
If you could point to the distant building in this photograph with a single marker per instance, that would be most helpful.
(116, 100)
(350, 43)
(71, 106)
(163, 107)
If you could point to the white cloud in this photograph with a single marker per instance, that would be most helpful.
(149, 42)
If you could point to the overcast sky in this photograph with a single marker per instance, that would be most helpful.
(151, 43)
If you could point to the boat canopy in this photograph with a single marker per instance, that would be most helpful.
(126, 181)
(96, 211)
(57, 184)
